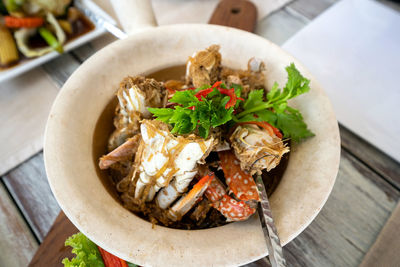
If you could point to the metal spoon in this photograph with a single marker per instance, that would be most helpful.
(267, 222)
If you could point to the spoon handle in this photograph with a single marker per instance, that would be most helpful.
(271, 235)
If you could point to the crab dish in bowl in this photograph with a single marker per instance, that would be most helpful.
(192, 146)
(163, 162)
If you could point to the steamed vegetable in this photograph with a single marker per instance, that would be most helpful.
(27, 22)
(50, 39)
(207, 107)
(65, 25)
(8, 50)
(56, 7)
(22, 38)
(12, 5)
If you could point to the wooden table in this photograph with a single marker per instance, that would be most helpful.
(367, 188)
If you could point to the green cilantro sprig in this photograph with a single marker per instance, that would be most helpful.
(205, 107)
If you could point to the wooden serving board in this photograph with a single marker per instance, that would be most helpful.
(239, 14)
(52, 250)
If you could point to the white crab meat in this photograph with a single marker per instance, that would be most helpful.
(167, 158)
(131, 100)
(174, 189)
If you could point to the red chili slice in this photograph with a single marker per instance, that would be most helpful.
(204, 93)
(263, 124)
(110, 260)
(232, 95)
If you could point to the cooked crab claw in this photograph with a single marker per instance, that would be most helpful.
(233, 210)
(239, 182)
(123, 152)
(190, 199)
(215, 191)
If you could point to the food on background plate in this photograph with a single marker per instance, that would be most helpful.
(184, 152)
(32, 28)
(88, 254)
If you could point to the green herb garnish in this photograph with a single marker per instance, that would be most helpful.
(200, 109)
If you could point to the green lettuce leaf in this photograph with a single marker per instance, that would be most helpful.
(87, 254)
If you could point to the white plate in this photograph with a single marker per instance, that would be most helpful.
(29, 64)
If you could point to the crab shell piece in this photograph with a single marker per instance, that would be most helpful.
(233, 210)
(131, 100)
(135, 94)
(190, 199)
(203, 67)
(239, 182)
(257, 149)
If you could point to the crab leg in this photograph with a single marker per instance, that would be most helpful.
(233, 210)
(216, 191)
(239, 182)
(176, 188)
(123, 152)
(190, 199)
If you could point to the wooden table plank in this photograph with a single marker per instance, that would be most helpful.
(17, 244)
(381, 163)
(350, 221)
(29, 187)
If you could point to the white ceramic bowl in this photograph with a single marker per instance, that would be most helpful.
(71, 171)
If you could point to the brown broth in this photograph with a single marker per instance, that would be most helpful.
(104, 127)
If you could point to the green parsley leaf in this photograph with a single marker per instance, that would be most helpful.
(183, 120)
(193, 115)
(254, 99)
(185, 98)
(162, 114)
(293, 126)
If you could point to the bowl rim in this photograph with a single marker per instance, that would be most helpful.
(159, 30)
